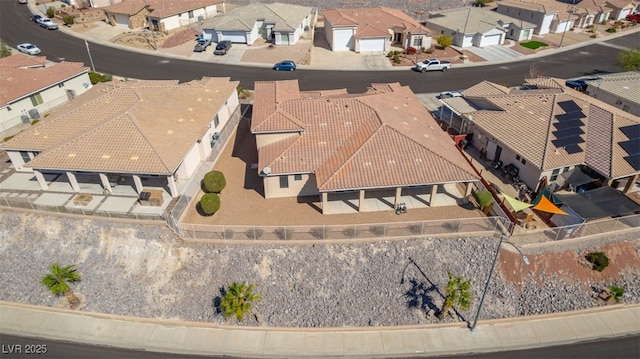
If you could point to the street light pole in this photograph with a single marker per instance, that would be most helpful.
(493, 265)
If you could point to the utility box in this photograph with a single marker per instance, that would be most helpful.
(34, 114)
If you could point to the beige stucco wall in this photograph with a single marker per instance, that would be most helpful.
(268, 138)
(306, 186)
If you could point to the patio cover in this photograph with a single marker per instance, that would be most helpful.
(576, 177)
(601, 202)
(545, 205)
(516, 204)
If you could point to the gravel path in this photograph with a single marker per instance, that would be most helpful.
(143, 270)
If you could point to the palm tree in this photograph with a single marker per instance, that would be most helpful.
(457, 294)
(58, 281)
(238, 299)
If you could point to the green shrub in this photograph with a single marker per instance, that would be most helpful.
(616, 293)
(210, 203)
(68, 19)
(599, 260)
(610, 30)
(214, 182)
(97, 77)
(533, 45)
(484, 198)
(445, 41)
(396, 59)
(51, 12)
(5, 51)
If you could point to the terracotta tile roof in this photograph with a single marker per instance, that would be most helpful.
(619, 4)
(546, 82)
(19, 82)
(286, 17)
(374, 22)
(23, 61)
(161, 8)
(383, 138)
(142, 127)
(593, 6)
(624, 85)
(485, 88)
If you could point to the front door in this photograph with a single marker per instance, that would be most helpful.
(496, 157)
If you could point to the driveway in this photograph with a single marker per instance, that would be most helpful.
(494, 53)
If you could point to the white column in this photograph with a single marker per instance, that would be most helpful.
(138, 183)
(434, 191)
(105, 182)
(361, 201)
(325, 197)
(467, 191)
(173, 190)
(73, 181)
(41, 181)
(398, 194)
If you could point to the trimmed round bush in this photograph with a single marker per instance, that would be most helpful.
(599, 260)
(210, 203)
(214, 182)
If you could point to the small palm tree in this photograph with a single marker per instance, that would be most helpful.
(616, 293)
(58, 281)
(457, 294)
(238, 299)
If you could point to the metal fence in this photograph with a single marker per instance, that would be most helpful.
(578, 230)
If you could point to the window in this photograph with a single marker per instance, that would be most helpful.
(36, 99)
(216, 121)
(625, 108)
(417, 42)
(61, 84)
(524, 162)
(554, 175)
(284, 181)
(517, 157)
(297, 177)
(566, 169)
(191, 14)
(25, 156)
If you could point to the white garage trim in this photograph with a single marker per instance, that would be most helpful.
(342, 40)
(489, 40)
(371, 45)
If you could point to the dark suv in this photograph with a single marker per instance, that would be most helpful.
(222, 47)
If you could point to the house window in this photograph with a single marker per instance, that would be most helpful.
(61, 84)
(25, 156)
(216, 121)
(191, 14)
(625, 108)
(554, 175)
(517, 157)
(297, 177)
(524, 162)
(417, 42)
(36, 99)
(284, 181)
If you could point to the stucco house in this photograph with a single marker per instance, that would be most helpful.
(620, 90)
(551, 130)
(373, 30)
(355, 148)
(591, 12)
(280, 24)
(475, 26)
(622, 8)
(32, 86)
(160, 15)
(549, 16)
(127, 132)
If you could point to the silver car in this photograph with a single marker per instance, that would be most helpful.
(28, 48)
(48, 23)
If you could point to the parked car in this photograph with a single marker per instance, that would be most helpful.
(222, 47)
(47, 23)
(433, 65)
(201, 46)
(634, 17)
(286, 65)
(579, 84)
(22, 1)
(28, 48)
(36, 18)
(450, 94)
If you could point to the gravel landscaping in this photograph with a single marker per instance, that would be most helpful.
(144, 270)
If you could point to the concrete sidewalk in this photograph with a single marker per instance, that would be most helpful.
(180, 337)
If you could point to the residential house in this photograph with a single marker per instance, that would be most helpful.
(373, 30)
(31, 86)
(128, 131)
(475, 26)
(280, 24)
(622, 8)
(591, 12)
(549, 16)
(160, 15)
(550, 130)
(355, 148)
(620, 90)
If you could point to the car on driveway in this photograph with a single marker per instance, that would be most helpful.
(222, 47)
(202, 45)
(28, 48)
(450, 94)
(286, 65)
(579, 84)
(47, 23)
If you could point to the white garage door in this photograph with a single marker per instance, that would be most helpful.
(122, 20)
(490, 40)
(238, 37)
(368, 45)
(342, 40)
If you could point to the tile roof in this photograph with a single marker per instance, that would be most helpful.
(485, 88)
(619, 4)
(474, 20)
(286, 17)
(374, 22)
(624, 85)
(590, 6)
(161, 8)
(23, 61)
(144, 127)
(19, 82)
(542, 7)
(383, 138)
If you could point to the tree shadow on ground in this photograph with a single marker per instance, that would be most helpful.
(419, 296)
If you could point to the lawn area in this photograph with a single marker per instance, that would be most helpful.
(533, 45)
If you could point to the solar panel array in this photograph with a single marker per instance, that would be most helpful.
(569, 127)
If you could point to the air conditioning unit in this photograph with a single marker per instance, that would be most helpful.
(34, 113)
(214, 138)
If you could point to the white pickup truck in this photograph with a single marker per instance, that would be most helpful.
(433, 65)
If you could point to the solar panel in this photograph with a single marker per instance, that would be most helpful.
(569, 127)
(632, 146)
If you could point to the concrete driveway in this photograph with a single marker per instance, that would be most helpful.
(494, 53)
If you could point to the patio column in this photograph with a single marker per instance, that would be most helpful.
(138, 183)
(630, 183)
(325, 197)
(173, 190)
(398, 195)
(105, 182)
(434, 192)
(467, 191)
(73, 181)
(41, 181)
(361, 201)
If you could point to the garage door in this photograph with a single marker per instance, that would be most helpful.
(490, 40)
(342, 40)
(238, 37)
(122, 20)
(369, 45)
